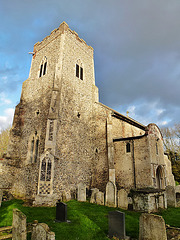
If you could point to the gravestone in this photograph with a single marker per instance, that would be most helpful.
(94, 191)
(61, 212)
(1, 195)
(81, 192)
(152, 227)
(100, 198)
(41, 231)
(50, 236)
(111, 194)
(116, 221)
(19, 225)
(122, 199)
(171, 196)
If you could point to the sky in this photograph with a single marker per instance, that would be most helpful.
(136, 52)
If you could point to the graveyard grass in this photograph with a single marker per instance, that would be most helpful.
(87, 221)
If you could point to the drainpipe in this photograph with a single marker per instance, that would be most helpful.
(134, 169)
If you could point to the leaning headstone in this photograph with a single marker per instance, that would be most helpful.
(100, 198)
(19, 225)
(116, 221)
(61, 212)
(111, 194)
(171, 196)
(94, 191)
(1, 195)
(122, 199)
(81, 192)
(152, 227)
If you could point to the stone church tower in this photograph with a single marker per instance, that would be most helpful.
(62, 135)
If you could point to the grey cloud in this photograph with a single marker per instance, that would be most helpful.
(136, 43)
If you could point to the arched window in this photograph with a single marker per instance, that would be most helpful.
(36, 150)
(33, 148)
(46, 169)
(48, 175)
(43, 67)
(128, 147)
(43, 170)
(160, 178)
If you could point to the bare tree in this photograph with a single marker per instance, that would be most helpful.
(171, 137)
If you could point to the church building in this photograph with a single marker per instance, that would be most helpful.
(62, 135)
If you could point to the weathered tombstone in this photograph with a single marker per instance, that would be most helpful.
(1, 195)
(152, 227)
(61, 212)
(171, 196)
(41, 231)
(50, 236)
(94, 191)
(111, 194)
(116, 221)
(81, 192)
(122, 199)
(100, 198)
(19, 225)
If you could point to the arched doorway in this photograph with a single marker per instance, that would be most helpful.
(160, 181)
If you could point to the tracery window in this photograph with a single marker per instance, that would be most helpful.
(43, 170)
(46, 169)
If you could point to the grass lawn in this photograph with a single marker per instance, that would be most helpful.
(87, 221)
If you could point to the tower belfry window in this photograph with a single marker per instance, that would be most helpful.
(79, 71)
(43, 67)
